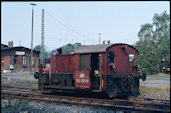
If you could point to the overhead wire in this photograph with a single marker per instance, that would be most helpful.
(68, 28)
(60, 22)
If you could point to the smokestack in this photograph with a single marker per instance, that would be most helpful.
(106, 42)
(59, 50)
(10, 43)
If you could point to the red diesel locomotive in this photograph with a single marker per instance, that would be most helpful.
(106, 68)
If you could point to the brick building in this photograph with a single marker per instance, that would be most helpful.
(17, 57)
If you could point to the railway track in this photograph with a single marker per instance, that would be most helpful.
(131, 104)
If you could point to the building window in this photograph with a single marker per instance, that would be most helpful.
(15, 59)
(132, 58)
(24, 60)
(32, 61)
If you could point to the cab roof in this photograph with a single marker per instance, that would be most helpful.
(99, 48)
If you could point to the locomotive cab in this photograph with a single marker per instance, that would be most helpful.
(93, 62)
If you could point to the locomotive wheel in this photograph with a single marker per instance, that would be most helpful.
(36, 75)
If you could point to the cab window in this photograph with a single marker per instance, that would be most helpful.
(85, 61)
(111, 57)
(132, 58)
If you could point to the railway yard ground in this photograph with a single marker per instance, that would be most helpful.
(155, 87)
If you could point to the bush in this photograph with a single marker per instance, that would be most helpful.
(21, 105)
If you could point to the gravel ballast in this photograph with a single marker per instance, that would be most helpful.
(55, 108)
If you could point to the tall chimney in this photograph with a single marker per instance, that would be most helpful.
(10, 43)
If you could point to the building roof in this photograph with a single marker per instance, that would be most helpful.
(3, 45)
(99, 48)
(19, 47)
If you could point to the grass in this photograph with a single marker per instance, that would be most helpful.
(147, 89)
(8, 103)
(21, 105)
(155, 92)
(27, 79)
(160, 75)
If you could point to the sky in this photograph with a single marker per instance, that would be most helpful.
(71, 22)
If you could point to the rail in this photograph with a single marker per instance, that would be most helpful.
(130, 104)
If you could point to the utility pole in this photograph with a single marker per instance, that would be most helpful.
(19, 43)
(42, 60)
(99, 37)
(31, 56)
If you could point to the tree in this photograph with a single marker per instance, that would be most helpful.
(38, 48)
(76, 45)
(154, 44)
(69, 48)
